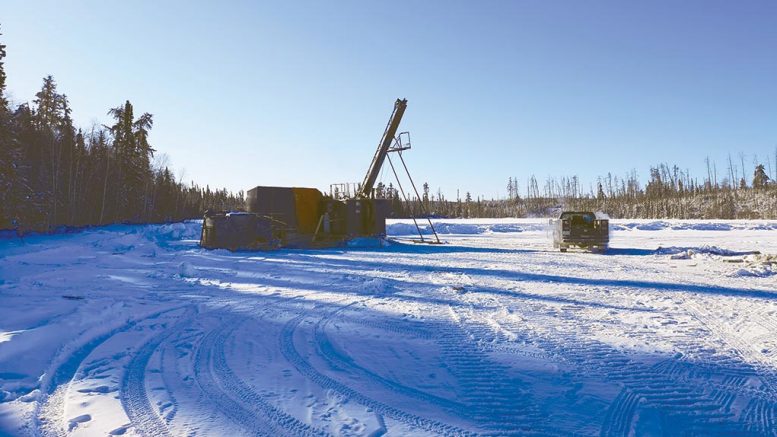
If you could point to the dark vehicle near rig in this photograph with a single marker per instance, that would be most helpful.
(584, 229)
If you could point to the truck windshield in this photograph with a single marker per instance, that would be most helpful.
(579, 218)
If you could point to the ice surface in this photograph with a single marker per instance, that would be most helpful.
(135, 330)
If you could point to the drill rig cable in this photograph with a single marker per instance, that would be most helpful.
(402, 190)
(418, 196)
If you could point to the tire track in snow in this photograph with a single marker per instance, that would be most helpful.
(740, 347)
(403, 328)
(167, 383)
(618, 419)
(303, 366)
(762, 417)
(216, 395)
(327, 350)
(685, 405)
(49, 413)
(234, 398)
(497, 402)
(133, 393)
(760, 414)
(134, 397)
(732, 384)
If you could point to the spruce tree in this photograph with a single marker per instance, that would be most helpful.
(133, 169)
(760, 178)
(9, 157)
(46, 147)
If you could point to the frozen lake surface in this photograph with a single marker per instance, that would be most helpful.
(135, 330)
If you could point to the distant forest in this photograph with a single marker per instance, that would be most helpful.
(669, 193)
(54, 175)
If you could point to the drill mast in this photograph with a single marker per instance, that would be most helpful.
(365, 190)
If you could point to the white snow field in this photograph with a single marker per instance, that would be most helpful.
(135, 330)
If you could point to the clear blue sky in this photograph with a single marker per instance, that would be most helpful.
(298, 93)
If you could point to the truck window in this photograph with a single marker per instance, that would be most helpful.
(579, 218)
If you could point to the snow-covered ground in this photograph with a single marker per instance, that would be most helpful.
(135, 330)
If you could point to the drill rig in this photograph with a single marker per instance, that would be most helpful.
(304, 217)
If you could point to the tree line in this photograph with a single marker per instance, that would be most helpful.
(669, 193)
(53, 174)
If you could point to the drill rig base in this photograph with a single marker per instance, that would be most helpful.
(295, 218)
(420, 241)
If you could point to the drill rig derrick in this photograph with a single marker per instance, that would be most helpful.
(389, 134)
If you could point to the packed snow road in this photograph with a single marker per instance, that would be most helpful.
(136, 331)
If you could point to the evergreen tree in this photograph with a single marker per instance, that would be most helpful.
(760, 178)
(52, 174)
(48, 105)
(133, 158)
(10, 183)
(66, 145)
(380, 190)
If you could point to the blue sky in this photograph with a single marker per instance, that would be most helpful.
(298, 93)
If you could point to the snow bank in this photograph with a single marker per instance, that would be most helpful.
(754, 264)
(692, 225)
(759, 266)
(701, 251)
(164, 234)
(464, 227)
(188, 230)
(514, 225)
